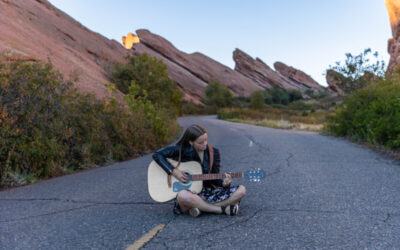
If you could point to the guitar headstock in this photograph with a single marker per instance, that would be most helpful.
(255, 175)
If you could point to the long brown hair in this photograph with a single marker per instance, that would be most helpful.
(191, 134)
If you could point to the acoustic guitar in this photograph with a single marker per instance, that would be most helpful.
(163, 187)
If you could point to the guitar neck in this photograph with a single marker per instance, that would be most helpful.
(202, 177)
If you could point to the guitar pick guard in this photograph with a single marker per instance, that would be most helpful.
(178, 186)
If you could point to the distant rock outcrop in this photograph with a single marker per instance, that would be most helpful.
(340, 84)
(393, 7)
(297, 76)
(37, 31)
(334, 79)
(194, 71)
(285, 77)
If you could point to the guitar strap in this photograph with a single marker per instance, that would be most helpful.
(211, 151)
(169, 180)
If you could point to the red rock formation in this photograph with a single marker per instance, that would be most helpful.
(338, 83)
(334, 79)
(37, 31)
(258, 71)
(393, 7)
(198, 65)
(285, 77)
(191, 86)
(297, 76)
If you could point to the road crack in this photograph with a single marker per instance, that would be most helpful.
(89, 204)
(279, 170)
(86, 201)
(46, 214)
(387, 218)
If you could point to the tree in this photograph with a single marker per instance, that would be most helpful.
(218, 95)
(257, 100)
(294, 95)
(358, 70)
(151, 77)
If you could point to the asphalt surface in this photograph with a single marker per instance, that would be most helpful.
(320, 192)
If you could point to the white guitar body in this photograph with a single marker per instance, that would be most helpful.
(157, 180)
(163, 187)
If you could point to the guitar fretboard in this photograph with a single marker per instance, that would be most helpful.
(201, 177)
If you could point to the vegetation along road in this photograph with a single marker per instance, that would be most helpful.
(320, 192)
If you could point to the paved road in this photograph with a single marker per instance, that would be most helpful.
(320, 192)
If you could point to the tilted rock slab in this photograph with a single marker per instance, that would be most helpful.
(202, 68)
(297, 75)
(37, 31)
(334, 79)
(285, 77)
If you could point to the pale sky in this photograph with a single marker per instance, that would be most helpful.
(309, 35)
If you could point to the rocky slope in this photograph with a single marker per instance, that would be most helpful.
(192, 72)
(334, 80)
(37, 31)
(34, 30)
(297, 76)
(284, 76)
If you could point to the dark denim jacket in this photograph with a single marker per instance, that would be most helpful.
(189, 154)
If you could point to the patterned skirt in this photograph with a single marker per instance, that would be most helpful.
(211, 195)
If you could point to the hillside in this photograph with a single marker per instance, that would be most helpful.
(34, 30)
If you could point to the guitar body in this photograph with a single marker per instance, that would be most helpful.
(157, 180)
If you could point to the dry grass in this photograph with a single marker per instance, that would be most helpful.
(277, 118)
(282, 124)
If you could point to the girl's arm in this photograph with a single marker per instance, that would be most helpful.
(161, 156)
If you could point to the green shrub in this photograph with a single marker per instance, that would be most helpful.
(371, 114)
(218, 95)
(276, 95)
(241, 102)
(299, 105)
(49, 128)
(268, 97)
(190, 108)
(294, 95)
(151, 77)
(357, 71)
(257, 100)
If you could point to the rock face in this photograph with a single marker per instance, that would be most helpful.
(339, 84)
(285, 77)
(297, 76)
(334, 78)
(393, 7)
(192, 72)
(37, 31)
(191, 86)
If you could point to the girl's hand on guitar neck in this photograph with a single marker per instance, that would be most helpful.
(227, 180)
(180, 175)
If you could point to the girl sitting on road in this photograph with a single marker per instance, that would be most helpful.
(217, 196)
